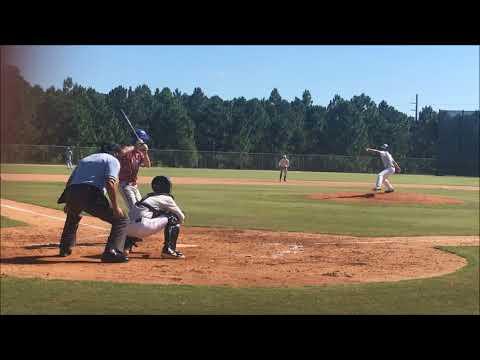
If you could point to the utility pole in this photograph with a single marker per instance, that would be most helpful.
(416, 107)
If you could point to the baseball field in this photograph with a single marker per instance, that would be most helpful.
(320, 243)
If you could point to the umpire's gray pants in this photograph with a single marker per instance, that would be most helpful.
(91, 200)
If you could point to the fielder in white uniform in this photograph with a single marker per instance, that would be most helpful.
(157, 211)
(283, 164)
(390, 167)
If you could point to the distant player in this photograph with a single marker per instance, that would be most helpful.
(156, 212)
(68, 157)
(390, 167)
(131, 159)
(283, 164)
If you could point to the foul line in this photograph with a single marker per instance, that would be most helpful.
(49, 216)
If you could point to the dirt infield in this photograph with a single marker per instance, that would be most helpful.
(386, 198)
(218, 256)
(227, 181)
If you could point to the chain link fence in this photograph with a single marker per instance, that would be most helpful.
(52, 154)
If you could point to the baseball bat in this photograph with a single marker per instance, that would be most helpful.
(131, 126)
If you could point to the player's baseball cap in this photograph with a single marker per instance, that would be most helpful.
(384, 146)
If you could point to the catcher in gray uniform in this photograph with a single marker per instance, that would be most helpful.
(155, 212)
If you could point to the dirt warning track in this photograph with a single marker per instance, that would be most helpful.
(221, 256)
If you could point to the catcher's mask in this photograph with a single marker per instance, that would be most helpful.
(161, 184)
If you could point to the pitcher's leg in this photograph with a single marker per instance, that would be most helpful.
(378, 184)
(388, 185)
(285, 174)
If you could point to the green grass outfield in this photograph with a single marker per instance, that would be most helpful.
(259, 174)
(6, 222)
(288, 209)
(275, 208)
(456, 293)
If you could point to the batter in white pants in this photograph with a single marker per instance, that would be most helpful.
(130, 194)
(382, 178)
(146, 227)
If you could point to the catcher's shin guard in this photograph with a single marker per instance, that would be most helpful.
(171, 233)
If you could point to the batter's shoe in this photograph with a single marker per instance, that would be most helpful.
(114, 256)
(65, 252)
(389, 191)
(130, 243)
(172, 254)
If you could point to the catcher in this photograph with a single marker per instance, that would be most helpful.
(390, 167)
(155, 212)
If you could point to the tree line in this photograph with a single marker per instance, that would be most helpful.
(79, 116)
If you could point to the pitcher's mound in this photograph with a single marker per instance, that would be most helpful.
(382, 198)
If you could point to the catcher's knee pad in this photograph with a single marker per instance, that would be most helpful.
(171, 233)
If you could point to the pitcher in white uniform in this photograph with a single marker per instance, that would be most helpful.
(390, 167)
(155, 212)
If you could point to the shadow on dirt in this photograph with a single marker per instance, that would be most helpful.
(364, 196)
(44, 259)
(55, 245)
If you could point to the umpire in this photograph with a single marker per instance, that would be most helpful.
(94, 176)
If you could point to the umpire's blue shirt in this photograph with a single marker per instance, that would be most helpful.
(95, 170)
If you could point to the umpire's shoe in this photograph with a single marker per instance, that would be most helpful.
(114, 256)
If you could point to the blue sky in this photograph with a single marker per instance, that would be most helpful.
(446, 77)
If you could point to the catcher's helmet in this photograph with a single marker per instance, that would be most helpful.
(161, 184)
(142, 134)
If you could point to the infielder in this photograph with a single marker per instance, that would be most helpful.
(68, 157)
(132, 157)
(157, 211)
(390, 167)
(283, 164)
(94, 176)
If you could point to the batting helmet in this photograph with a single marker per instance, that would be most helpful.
(161, 184)
(142, 134)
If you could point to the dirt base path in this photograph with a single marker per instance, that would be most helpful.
(215, 256)
(227, 181)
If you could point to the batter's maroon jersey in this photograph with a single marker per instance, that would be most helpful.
(129, 166)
